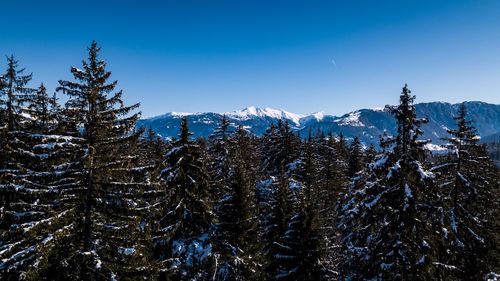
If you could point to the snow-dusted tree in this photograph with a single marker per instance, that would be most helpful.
(470, 190)
(15, 197)
(152, 149)
(280, 150)
(106, 224)
(332, 182)
(44, 112)
(14, 94)
(342, 150)
(370, 154)
(356, 157)
(238, 249)
(219, 166)
(386, 231)
(184, 238)
(44, 181)
(300, 254)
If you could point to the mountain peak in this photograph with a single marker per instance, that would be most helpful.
(367, 124)
(273, 113)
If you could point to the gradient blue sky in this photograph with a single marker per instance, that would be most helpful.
(302, 56)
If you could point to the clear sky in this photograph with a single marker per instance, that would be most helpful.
(302, 56)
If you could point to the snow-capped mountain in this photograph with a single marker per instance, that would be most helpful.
(368, 124)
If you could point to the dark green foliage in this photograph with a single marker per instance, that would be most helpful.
(301, 252)
(356, 161)
(280, 154)
(183, 244)
(86, 196)
(386, 233)
(17, 216)
(470, 190)
(237, 229)
(106, 222)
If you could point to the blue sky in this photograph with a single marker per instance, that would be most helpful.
(302, 56)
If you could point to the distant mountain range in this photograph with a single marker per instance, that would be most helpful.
(367, 124)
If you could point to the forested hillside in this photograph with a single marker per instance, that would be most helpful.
(366, 124)
(85, 196)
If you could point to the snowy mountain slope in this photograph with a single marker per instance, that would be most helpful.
(368, 124)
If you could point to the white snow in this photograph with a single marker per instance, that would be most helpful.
(194, 250)
(380, 162)
(318, 115)
(253, 111)
(181, 114)
(435, 147)
(393, 169)
(453, 221)
(126, 251)
(492, 276)
(425, 244)
(352, 119)
(447, 266)
(423, 173)
(408, 196)
(386, 266)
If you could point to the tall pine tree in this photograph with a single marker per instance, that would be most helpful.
(184, 241)
(470, 188)
(386, 234)
(107, 210)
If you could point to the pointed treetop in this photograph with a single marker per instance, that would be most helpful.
(13, 73)
(94, 50)
(42, 89)
(184, 134)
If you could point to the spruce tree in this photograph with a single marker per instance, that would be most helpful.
(184, 239)
(219, 159)
(280, 151)
(332, 183)
(300, 253)
(355, 157)
(16, 197)
(237, 230)
(469, 187)
(386, 232)
(39, 110)
(106, 222)
(152, 150)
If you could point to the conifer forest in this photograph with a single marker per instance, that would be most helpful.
(85, 194)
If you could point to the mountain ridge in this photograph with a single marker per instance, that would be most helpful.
(367, 124)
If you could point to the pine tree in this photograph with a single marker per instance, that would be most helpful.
(386, 231)
(39, 110)
(237, 231)
(280, 151)
(332, 183)
(370, 154)
(355, 157)
(219, 159)
(469, 186)
(106, 222)
(184, 239)
(301, 252)
(54, 175)
(16, 197)
(152, 149)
